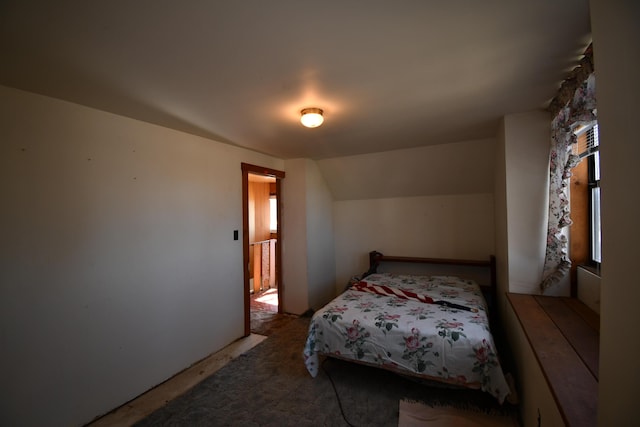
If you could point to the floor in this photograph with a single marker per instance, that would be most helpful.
(266, 300)
(153, 399)
(263, 306)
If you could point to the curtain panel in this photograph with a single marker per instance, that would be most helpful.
(580, 109)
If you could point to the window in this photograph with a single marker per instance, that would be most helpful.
(588, 148)
(273, 214)
(594, 186)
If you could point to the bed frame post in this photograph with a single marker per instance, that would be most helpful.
(494, 278)
(374, 259)
(374, 262)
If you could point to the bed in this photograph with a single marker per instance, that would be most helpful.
(435, 327)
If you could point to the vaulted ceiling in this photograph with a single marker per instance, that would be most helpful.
(388, 74)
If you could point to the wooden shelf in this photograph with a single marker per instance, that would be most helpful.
(564, 336)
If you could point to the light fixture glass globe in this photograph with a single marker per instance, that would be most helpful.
(311, 117)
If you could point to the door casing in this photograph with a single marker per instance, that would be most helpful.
(279, 175)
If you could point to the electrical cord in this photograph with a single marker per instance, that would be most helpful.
(335, 390)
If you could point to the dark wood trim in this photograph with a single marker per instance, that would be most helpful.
(245, 252)
(279, 175)
(589, 316)
(494, 276)
(583, 338)
(279, 243)
(260, 170)
(375, 258)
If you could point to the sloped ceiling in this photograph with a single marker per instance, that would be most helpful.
(389, 74)
(455, 168)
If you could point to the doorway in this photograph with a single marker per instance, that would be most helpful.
(262, 234)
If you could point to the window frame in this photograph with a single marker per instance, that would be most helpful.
(593, 168)
(587, 147)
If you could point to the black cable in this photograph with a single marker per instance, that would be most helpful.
(335, 390)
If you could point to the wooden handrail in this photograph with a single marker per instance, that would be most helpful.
(262, 242)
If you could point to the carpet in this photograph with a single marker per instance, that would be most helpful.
(415, 414)
(264, 317)
(270, 386)
(267, 322)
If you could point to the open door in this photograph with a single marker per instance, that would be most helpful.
(251, 171)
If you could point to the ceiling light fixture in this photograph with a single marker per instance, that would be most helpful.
(311, 117)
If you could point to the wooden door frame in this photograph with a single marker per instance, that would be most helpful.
(279, 176)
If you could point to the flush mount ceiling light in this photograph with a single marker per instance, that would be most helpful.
(311, 117)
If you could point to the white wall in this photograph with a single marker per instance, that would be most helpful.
(294, 238)
(453, 226)
(320, 240)
(521, 195)
(527, 139)
(118, 266)
(589, 288)
(617, 60)
(432, 201)
(500, 199)
(308, 248)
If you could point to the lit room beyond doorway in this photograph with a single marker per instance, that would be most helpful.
(263, 241)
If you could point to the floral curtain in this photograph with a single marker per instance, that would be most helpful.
(580, 108)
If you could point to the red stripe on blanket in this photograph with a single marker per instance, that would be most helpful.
(385, 290)
(405, 294)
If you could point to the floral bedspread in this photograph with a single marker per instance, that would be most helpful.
(438, 342)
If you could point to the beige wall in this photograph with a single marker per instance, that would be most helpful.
(451, 226)
(526, 152)
(294, 241)
(308, 247)
(320, 242)
(500, 199)
(118, 237)
(429, 201)
(117, 248)
(521, 194)
(589, 288)
(465, 167)
(617, 60)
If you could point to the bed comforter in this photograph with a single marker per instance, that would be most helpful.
(402, 333)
